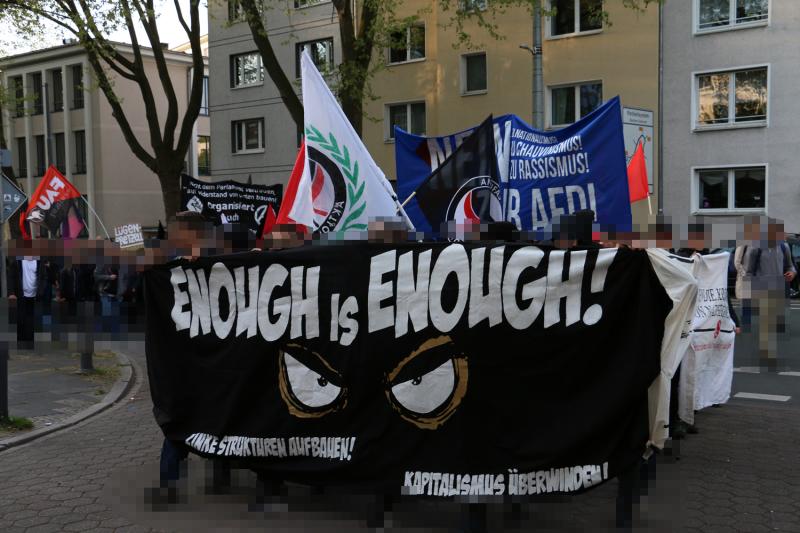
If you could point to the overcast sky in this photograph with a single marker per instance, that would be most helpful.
(169, 30)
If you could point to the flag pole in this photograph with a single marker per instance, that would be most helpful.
(405, 202)
(400, 210)
(649, 204)
(96, 216)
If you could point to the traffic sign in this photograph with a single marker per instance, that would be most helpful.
(13, 198)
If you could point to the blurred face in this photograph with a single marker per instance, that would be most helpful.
(697, 240)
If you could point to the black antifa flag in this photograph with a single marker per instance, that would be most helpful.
(231, 202)
(422, 369)
(465, 187)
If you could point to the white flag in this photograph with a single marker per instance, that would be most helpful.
(341, 187)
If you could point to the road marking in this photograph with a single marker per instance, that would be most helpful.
(748, 369)
(756, 396)
(789, 374)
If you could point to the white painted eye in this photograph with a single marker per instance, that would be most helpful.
(426, 393)
(309, 387)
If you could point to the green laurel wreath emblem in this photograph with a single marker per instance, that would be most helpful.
(341, 155)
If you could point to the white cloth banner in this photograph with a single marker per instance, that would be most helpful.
(682, 290)
(707, 368)
(341, 188)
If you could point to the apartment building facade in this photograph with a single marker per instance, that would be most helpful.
(730, 69)
(62, 118)
(428, 86)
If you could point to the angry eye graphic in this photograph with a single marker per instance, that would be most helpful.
(308, 385)
(427, 386)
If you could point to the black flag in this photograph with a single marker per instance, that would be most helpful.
(465, 188)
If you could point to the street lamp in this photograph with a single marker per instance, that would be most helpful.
(538, 82)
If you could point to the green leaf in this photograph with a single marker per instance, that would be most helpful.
(355, 226)
(354, 196)
(355, 214)
(352, 176)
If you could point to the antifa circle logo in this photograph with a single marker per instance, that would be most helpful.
(195, 204)
(328, 191)
(476, 200)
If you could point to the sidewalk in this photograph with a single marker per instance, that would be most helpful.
(45, 387)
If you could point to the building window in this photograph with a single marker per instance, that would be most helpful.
(246, 70)
(728, 98)
(58, 91)
(36, 91)
(61, 160)
(19, 95)
(204, 155)
(716, 14)
(22, 157)
(80, 152)
(575, 16)
(307, 3)
(247, 136)
(569, 103)
(473, 72)
(468, 6)
(321, 53)
(410, 117)
(730, 189)
(41, 161)
(204, 100)
(408, 44)
(77, 87)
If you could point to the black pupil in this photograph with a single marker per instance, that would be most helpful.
(416, 381)
(322, 381)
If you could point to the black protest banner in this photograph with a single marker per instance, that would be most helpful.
(230, 202)
(424, 369)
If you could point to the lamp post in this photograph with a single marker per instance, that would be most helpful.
(538, 78)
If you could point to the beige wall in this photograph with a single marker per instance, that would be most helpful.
(437, 80)
(624, 55)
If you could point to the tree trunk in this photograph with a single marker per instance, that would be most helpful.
(171, 190)
(353, 108)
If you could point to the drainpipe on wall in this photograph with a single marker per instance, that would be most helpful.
(661, 108)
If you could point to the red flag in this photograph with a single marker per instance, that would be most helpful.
(52, 204)
(291, 188)
(637, 175)
(269, 220)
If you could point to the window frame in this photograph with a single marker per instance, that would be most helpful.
(473, 8)
(19, 96)
(37, 103)
(389, 129)
(41, 155)
(298, 49)
(22, 156)
(419, 24)
(578, 33)
(233, 70)
(204, 110)
(235, 136)
(464, 74)
(58, 95)
(732, 25)
(80, 151)
(77, 88)
(312, 3)
(731, 124)
(204, 170)
(548, 107)
(731, 169)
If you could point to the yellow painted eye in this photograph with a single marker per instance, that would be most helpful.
(429, 398)
(309, 393)
(426, 393)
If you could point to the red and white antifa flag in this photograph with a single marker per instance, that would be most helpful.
(335, 186)
(54, 206)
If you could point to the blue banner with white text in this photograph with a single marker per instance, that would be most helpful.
(543, 174)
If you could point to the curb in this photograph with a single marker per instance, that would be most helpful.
(117, 392)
